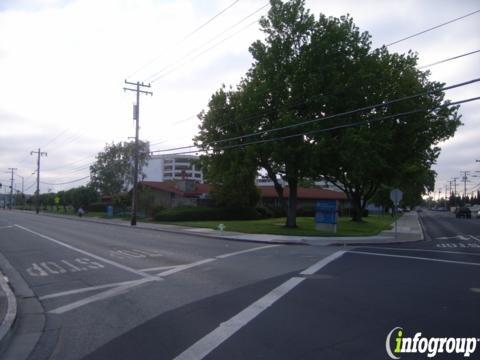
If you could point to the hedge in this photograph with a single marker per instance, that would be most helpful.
(205, 213)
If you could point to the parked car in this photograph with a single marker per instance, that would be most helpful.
(463, 212)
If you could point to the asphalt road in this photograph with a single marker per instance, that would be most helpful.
(111, 292)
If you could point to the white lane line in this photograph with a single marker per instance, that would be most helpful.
(113, 263)
(159, 268)
(205, 261)
(85, 289)
(224, 256)
(475, 238)
(123, 287)
(6, 227)
(184, 267)
(413, 257)
(421, 250)
(320, 264)
(208, 343)
(225, 330)
(101, 296)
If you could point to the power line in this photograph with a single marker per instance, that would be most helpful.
(65, 183)
(350, 112)
(337, 127)
(433, 28)
(186, 37)
(449, 59)
(162, 75)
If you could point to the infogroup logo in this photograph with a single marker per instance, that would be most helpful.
(400, 344)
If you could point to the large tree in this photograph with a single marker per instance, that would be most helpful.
(113, 169)
(308, 69)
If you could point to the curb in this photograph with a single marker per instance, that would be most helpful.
(172, 231)
(11, 313)
(304, 241)
(29, 324)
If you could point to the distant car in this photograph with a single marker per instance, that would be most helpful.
(463, 212)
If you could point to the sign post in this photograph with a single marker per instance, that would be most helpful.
(396, 196)
(326, 215)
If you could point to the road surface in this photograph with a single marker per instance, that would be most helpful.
(110, 292)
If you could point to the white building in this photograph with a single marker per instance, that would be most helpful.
(172, 167)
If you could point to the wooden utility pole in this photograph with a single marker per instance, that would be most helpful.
(136, 117)
(11, 187)
(37, 193)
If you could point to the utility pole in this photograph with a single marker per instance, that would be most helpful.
(11, 187)
(136, 117)
(37, 193)
(455, 186)
(464, 178)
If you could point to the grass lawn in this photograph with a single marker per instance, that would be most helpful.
(371, 225)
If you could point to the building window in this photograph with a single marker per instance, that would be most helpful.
(167, 168)
(168, 174)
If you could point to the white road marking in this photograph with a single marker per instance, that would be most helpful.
(85, 289)
(205, 261)
(475, 238)
(422, 250)
(159, 268)
(6, 227)
(101, 296)
(113, 263)
(123, 287)
(185, 267)
(225, 330)
(211, 341)
(414, 258)
(134, 253)
(224, 256)
(320, 264)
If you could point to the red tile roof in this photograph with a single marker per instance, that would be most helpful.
(314, 193)
(170, 186)
(265, 191)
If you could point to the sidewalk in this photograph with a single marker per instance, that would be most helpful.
(408, 230)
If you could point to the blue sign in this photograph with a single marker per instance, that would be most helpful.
(109, 211)
(326, 212)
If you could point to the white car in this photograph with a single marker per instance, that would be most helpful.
(475, 209)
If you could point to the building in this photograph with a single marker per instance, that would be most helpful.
(306, 197)
(169, 194)
(173, 167)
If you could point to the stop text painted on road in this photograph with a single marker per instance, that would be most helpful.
(63, 266)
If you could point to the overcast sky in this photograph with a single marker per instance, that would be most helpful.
(63, 64)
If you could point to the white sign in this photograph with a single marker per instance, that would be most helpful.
(396, 196)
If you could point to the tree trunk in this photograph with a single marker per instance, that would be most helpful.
(356, 206)
(278, 188)
(292, 204)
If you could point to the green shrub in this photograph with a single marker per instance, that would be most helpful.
(205, 213)
(97, 207)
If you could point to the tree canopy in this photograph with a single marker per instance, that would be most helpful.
(113, 169)
(305, 73)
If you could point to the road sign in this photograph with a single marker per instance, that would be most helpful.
(396, 196)
(326, 215)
